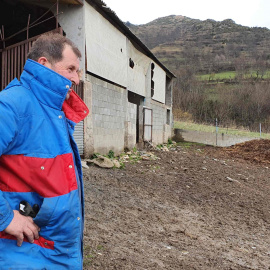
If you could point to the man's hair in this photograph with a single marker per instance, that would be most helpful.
(51, 46)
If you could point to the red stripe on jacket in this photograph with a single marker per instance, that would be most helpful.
(40, 241)
(49, 177)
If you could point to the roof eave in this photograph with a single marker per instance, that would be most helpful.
(111, 15)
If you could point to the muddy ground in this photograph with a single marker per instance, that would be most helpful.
(196, 207)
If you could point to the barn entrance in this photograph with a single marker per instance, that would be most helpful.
(20, 24)
(138, 101)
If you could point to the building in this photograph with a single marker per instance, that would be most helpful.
(127, 89)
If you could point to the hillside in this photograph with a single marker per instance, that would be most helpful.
(212, 45)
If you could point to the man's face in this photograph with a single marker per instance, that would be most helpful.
(67, 67)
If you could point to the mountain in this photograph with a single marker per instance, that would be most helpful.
(210, 45)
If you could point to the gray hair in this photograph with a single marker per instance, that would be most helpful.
(51, 46)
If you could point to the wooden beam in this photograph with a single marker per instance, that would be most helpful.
(71, 2)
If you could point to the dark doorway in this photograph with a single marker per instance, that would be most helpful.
(137, 100)
(15, 16)
(20, 23)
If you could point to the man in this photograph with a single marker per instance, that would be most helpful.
(39, 160)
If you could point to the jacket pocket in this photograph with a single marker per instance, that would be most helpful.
(46, 211)
(42, 242)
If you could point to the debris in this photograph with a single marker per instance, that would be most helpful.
(145, 158)
(231, 180)
(84, 164)
(165, 149)
(116, 163)
(103, 162)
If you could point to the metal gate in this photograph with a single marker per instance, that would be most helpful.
(79, 128)
(147, 124)
(14, 58)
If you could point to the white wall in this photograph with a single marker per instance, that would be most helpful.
(106, 48)
(108, 53)
(160, 84)
(74, 31)
(137, 74)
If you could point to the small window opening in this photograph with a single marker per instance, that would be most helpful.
(152, 80)
(131, 63)
(168, 118)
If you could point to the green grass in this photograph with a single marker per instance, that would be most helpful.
(218, 76)
(212, 129)
(189, 144)
(229, 75)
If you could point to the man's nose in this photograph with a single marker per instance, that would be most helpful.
(75, 79)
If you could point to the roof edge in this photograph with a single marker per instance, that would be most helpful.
(109, 14)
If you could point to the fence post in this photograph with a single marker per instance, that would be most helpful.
(216, 131)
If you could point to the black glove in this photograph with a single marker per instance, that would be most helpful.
(27, 210)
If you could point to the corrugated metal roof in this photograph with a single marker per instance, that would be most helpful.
(111, 15)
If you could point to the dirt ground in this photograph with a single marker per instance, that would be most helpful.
(195, 207)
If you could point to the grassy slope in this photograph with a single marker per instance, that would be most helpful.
(212, 129)
(228, 75)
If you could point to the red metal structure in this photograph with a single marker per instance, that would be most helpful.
(15, 47)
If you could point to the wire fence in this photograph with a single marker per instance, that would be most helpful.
(260, 129)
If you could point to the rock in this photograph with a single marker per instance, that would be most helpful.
(103, 162)
(116, 163)
(88, 161)
(84, 164)
(232, 180)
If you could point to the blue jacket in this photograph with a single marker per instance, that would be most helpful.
(40, 163)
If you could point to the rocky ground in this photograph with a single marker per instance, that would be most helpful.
(192, 207)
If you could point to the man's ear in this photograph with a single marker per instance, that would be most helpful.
(44, 61)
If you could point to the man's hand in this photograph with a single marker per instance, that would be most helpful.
(21, 226)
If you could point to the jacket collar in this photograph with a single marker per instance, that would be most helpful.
(51, 88)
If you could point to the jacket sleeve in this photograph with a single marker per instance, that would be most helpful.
(6, 213)
(9, 121)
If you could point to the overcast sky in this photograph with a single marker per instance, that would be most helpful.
(245, 12)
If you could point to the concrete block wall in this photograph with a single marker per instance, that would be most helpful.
(88, 121)
(111, 124)
(130, 126)
(161, 131)
(109, 107)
